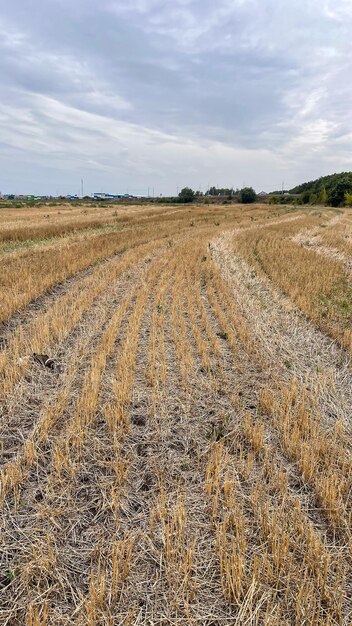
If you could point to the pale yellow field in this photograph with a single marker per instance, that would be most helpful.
(189, 459)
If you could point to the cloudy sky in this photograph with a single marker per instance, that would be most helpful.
(131, 94)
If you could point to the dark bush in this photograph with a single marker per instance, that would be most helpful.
(186, 195)
(247, 195)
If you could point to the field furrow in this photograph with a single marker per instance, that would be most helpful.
(294, 347)
(40, 390)
(59, 480)
(252, 458)
(53, 324)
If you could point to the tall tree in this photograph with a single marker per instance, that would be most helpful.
(324, 196)
(186, 195)
(247, 195)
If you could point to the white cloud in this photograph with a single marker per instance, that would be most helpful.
(339, 11)
(123, 148)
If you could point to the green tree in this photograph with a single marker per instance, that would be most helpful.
(186, 195)
(324, 196)
(305, 196)
(338, 191)
(273, 199)
(348, 198)
(220, 191)
(247, 195)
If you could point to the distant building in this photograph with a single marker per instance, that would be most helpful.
(24, 196)
(262, 193)
(109, 196)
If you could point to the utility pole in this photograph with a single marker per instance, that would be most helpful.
(82, 187)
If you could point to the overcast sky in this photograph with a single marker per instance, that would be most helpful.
(131, 94)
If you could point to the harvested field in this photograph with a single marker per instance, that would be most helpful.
(188, 459)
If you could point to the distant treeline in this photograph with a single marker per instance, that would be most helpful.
(333, 190)
(222, 191)
(245, 195)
